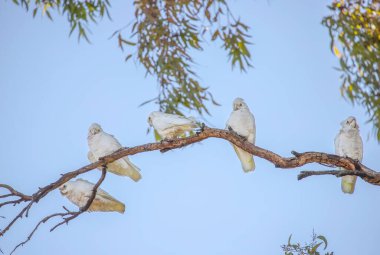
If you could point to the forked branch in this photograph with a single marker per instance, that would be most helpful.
(352, 167)
(68, 215)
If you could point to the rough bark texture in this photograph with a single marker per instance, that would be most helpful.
(352, 167)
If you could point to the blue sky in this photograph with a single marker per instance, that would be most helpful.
(195, 200)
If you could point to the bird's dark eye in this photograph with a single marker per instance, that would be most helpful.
(64, 186)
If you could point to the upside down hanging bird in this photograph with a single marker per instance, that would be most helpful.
(242, 122)
(79, 191)
(348, 143)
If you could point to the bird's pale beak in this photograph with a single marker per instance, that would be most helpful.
(62, 190)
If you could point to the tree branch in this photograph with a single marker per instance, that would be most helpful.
(87, 205)
(13, 192)
(68, 215)
(336, 173)
(353, 167)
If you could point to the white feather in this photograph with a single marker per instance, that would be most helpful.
(170, 126)
(79, 191)
(242, 122)
(348, 143)
(102, 144)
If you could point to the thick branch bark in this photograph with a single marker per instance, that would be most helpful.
(354, 167)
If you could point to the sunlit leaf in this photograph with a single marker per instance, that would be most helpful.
(337, 52)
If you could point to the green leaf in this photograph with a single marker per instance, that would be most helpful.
(215, 35)
(49, 15)
(35, 12)
(323, 239)
(128, 57)
(290, 237)
(314, 249)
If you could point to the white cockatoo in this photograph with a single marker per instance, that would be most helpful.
(79, 191)
(102, 144)
(242, 122)
(170, 126)
(348, 143)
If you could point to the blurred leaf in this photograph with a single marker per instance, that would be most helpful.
(354, 26)
(290, 237)
(310, 248)
(337, 52)
(324, 240)
(161, 37)
(315, 248)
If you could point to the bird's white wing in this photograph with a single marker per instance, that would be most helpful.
(121, 167)
(105, 196)
(355, 150)
(125, 167)
(164, 121)
(170, 126)
(103, 201)
(106, 144)
(338, 146)
(83, 185)
(92, 158)
(350, 146)
(243, 123)
(246, 159)
(360, 148)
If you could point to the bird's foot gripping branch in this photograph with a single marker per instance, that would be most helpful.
(14, 197)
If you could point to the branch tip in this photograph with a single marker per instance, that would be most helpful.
(296, 154)
(300, 159)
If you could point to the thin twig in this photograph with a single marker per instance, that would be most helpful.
(72, 215)
(336, 173)
(44, 220)
(353, 166)
(14, 202)
(13, 193)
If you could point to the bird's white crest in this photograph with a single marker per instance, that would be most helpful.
(350, 124)
(79, 191)
(242, 122)
(102, 144)
(170, 126)
(239, 103)
(94, 129)
(348, 143)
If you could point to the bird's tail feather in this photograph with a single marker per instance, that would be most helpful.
(134, 171)
(119, 207)
(249, 165)
(108, 204)
(348, 184)
(246, 159)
